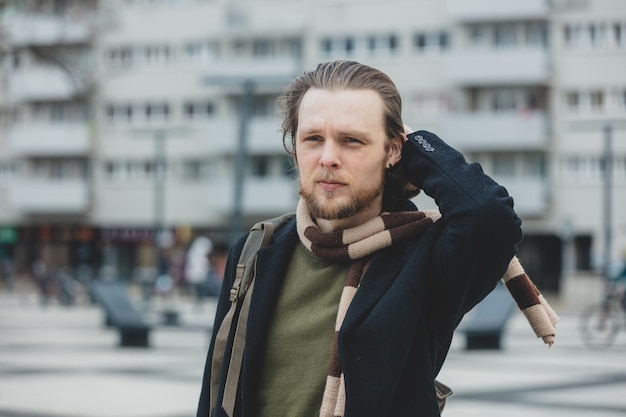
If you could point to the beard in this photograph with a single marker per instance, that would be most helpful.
(322, 206)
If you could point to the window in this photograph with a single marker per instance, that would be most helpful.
(378, 45)
(194, 170)
(373, 45)
(503, 100)
(263, 105)
(536, 34)
(572, 101)
(618, 34)
(154, 54)
(578, 168)
(259, 166)
(8, 170)
(594, 35)
(292, 47)
(119, 113)
(59, 169)
(430, 104)
(504, 165)
(201, 51)
(119, 56)
(505, 35)
(476, 35)
(435, 41)
(130, 170)
(262, 48)
(597, 101)
(198, 110)
(155, 112)
(534, 166)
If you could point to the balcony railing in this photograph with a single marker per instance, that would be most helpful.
(46, 196)
(511, 66)
(50, 30)
(520, 130)
(266, 74)
(490, 10)
(44, 83)
(46, 139)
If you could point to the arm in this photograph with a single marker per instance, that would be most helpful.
(479, 228)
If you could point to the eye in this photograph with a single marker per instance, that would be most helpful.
(352, 140)
(313, 138)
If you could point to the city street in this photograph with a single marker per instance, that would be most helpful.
(60, 361)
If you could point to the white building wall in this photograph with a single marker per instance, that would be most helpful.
(446, 77)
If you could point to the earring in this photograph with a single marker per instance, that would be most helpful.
(389, 170)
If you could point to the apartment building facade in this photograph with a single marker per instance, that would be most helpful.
(525, 88)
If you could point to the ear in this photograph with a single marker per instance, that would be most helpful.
(395, 151)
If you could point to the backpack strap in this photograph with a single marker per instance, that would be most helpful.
(240, 294)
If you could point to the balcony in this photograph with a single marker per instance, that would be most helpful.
(46, 139)
(49, 30)
(497, 131)
(43, 83)
(514, 66)
(496, 10)
(266, 74)
(529, 194)
(260, 196)
(45, 196)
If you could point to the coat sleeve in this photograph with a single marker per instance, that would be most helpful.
(479, 229)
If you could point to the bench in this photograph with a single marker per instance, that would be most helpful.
(121, 313)
(484, 324)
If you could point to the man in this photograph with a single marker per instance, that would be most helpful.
(357, 297)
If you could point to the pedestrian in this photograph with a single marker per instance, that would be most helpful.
(197, 266)
(357, 297)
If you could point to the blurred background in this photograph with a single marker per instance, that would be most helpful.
(138, 138)
(130, 129)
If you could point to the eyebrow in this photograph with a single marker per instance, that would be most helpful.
(348, 132)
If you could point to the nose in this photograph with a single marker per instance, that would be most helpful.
(330, 154)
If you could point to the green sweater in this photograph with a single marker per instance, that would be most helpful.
(300, 337)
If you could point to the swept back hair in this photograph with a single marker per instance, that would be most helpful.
(349, 75)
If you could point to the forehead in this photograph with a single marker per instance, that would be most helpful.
(341, 108)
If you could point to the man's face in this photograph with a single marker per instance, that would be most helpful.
(341, 153)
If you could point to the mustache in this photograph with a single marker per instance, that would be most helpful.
(328, 175)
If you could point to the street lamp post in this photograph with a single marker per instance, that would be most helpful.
(246, 83)
(159, 135)
(608, 200)
(241, 158)
(607, 127)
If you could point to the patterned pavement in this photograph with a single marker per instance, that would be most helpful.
(60, 361)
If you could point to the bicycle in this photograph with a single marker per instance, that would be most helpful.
(600, 323)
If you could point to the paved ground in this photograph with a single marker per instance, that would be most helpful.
(62, 362)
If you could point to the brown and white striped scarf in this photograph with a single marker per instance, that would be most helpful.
(358, 243)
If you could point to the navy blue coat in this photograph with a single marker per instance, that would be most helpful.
(398, 329)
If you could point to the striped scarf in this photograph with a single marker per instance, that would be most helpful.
(358, 243)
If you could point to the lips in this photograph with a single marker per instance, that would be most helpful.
(329, 185)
